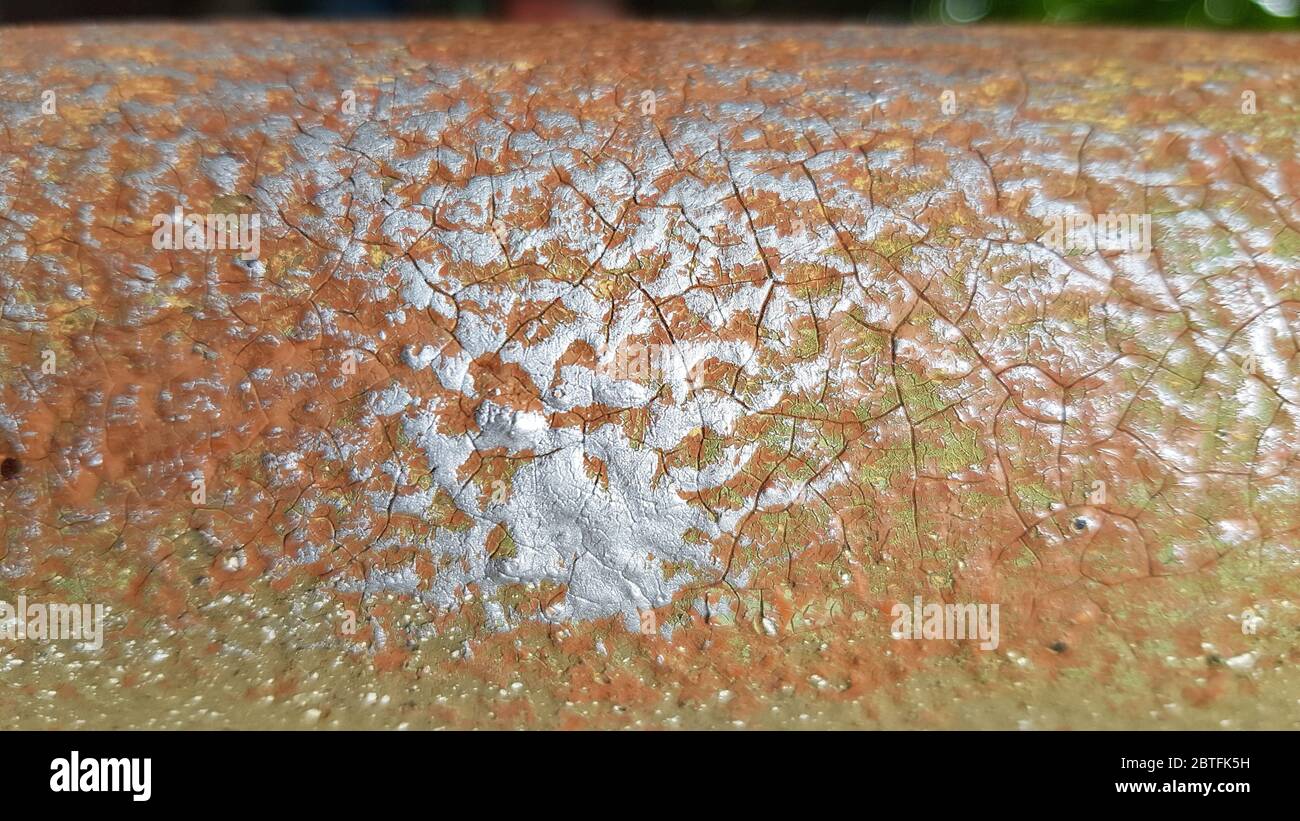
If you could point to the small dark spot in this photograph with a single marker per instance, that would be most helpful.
(1080, 524)
(1058, 647)
(1213, 660)
(10, 468)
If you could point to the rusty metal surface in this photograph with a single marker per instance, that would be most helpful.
(633, 375)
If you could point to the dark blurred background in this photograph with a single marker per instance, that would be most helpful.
(1248, 14)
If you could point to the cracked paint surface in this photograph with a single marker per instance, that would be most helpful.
(442, 487)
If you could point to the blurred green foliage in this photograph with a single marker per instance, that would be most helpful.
(1249, 14)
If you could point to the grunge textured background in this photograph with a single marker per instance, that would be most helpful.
(629, 375)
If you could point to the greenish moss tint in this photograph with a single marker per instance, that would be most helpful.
(878, 473)
(1035, 495)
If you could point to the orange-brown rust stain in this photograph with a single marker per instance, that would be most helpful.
(187, 370)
